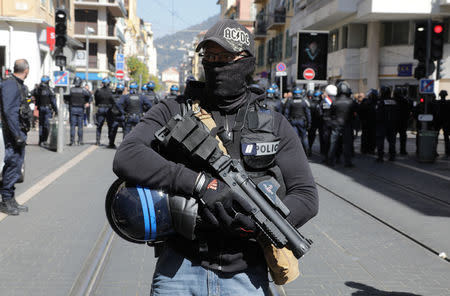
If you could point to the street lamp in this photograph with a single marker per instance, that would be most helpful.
(88, 30)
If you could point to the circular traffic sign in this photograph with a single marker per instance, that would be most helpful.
(309, 74)
(281, 67)
(120, 74)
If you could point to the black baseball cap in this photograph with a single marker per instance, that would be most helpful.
(231, 35)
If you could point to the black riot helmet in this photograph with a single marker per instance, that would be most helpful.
(310, 94)
(372, 94)
(385, 92)
(398, 92)
(443, 93)
(343, 89)
(77, 81)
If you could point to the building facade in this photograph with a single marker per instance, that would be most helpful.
(169, 77)
(102, 21)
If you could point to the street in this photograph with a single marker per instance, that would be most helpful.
(379, 231)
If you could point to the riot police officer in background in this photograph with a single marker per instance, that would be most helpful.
(151, 95)
(270, 102)
(277, 94)
(104, 101)
(341, 125)
(133, 105)
(366, 111)
(299, 115)
(46, 104)
(444, 106)
(16, 123)
(404, 113)
(313, 98)
(386, 121)
(78, 100)
(173, 93)
(325, 113)
(115, 117)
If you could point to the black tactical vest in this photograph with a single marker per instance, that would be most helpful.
(134, 105)
(43, 98)
(102, 96)
(77, 97)
(297, 109)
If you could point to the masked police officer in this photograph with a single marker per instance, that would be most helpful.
(46, 103)
(173, 93)
(271, 102)
(115, 117)
(133, 106)
(224, 252)
(14, 113)
(103, 100)
(386, 120)
(316, 120)
(341, 119)
(78, 99)
(151, 95)
(299, 115)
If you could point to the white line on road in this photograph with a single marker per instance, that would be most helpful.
(422, 171)
(27, 195)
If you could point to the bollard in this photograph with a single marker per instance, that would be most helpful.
(426, 145)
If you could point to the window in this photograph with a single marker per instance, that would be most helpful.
(396, 33)
(261, 55)
(288, 49)
(333, 41)
(43, 3)
(344, 37)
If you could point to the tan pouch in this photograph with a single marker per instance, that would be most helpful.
(283, 265)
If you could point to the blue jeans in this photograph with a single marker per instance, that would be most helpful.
(300, 127)
(177, 276)
(100, 117)
(76, 120)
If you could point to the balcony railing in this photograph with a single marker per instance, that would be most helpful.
(277, 18)
(80, 27)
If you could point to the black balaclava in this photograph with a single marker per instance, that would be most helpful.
(226, 83)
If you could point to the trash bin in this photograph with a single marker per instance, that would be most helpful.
(427, 141)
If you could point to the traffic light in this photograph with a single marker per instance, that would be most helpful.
(437, 40)
(60, 28)
(420, 41)
(420, 71)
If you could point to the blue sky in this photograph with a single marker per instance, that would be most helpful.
(185, 13)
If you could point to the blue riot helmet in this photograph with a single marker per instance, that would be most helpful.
(144, 87)
(174, 90)
(190, 78)
(297, 92)
(106, 82)
(317, 93)
(119, 88)
(142, 215)
(133, 87)
(274, 86)
(77, 81)
(45, 79)
(270, 93)
(151, 85)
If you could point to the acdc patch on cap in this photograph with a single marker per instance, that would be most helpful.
(237, 35)
(259, 149)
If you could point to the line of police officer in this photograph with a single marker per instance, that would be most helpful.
(333, 113)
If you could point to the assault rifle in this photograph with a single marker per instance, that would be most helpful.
(268, 211)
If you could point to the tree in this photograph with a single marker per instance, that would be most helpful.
(139, 72)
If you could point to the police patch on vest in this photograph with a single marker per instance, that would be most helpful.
(236, 34)
(390, 102)
(259, 149)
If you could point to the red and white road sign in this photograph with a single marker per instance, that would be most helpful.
(120, 74)
(309, 74)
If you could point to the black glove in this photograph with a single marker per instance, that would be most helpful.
(20, 142)
(212, 191)
(237, 222)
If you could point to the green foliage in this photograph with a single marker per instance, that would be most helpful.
(138, 70)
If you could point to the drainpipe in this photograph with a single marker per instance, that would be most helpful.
(11, 29)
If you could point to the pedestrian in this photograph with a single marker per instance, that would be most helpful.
(386, 122)
(404, 114)
(78, 100)
(341, 121)
(223, 256)
(270, 102)
(46, 104)
(299, 115)
(133, 106)
(445, 123)
(16, 122)
(325, 113)
(115, 117)
(103, 100)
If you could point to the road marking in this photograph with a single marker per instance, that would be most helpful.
(422, 171)
(27, 195)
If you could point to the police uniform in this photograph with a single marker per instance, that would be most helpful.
(133, 106)
(246, 130)
(445, 112)
(152, 97)
(104, 101)
(46, 103)
(386, 120)
(404, 112)
(77, 100)
(115, 120)
(15, 127)
(366, 112)
(316, 121)
(271, 103)
(325, 113)
(299, 115)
